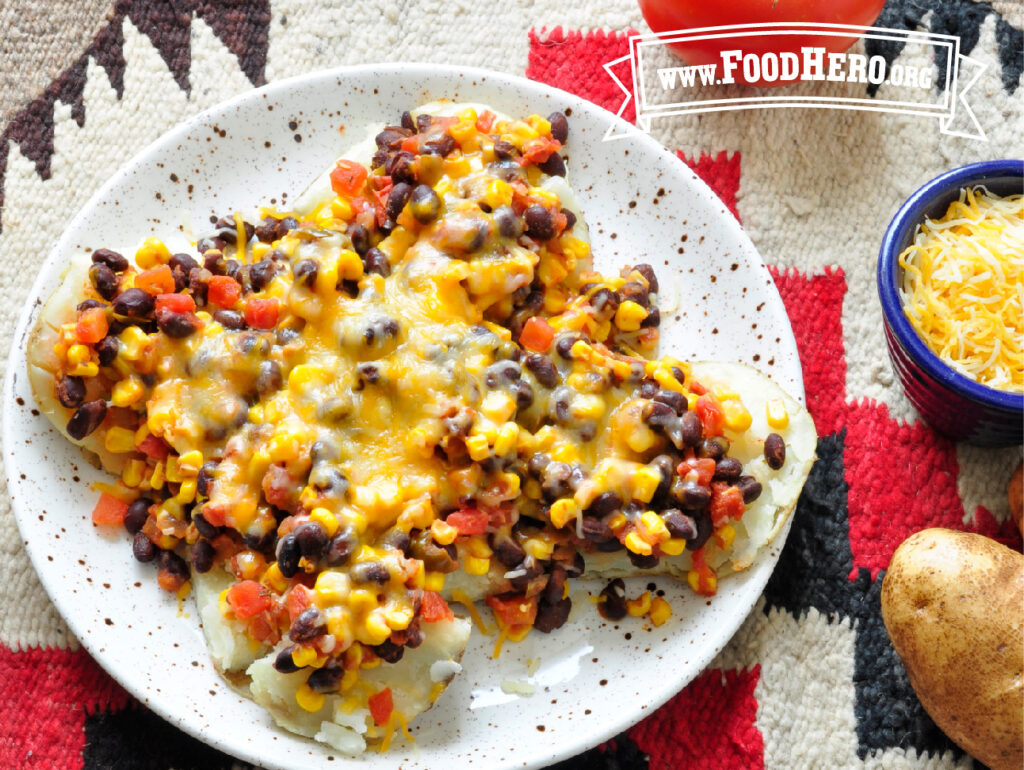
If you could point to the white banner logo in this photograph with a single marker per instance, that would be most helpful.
(822, 79)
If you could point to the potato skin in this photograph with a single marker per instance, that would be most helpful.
(953, 605)
(1016, 495)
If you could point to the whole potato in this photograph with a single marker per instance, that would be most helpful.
(953, 604)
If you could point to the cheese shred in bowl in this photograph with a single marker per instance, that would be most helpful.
(963, 279)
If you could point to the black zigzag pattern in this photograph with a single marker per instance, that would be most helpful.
(814, 572)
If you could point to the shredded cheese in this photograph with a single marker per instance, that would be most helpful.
(962, 288)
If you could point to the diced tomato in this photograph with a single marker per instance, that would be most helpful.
(539, 150)
(537, 335)
(348, 178)
(92, 326)
(484, 121)
(515, 610)
(707, 585)
(711, 415)
(299, 598)
(704, 466)
(411, 144)
(175, 303)
(381, 194)
(561, 220)
(263, 628)
(468, 521)
(215, 513)
(381, 705)
(109, 510)
(248, 599)
(697, 388)
(223, 290)
(170, 581)
(262, 313)
(726, 503)
(280, 487)
(155, 447)
(156, 280)
(435, 608)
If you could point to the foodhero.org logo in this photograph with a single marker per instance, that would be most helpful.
(812, 64)
(931, 79)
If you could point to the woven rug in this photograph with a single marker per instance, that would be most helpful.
(811, 679)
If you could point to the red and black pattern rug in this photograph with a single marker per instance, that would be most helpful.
(811, 679)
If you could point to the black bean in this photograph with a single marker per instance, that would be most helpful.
(679, 524)
(407, 122)
(340, 549)
(103, 280)
(543, 369)
(648, 272)
(750, 487)
(641, 561)
(540, 224)
(397, 199)
(376, 261)
(692, 429)
(388, 651)
(203, 555)
(665, 465)
(86, 419)
(556, 480)
(774, 451)
(369, 374)
(176, 325)
(308, 626)
(269, 378)
(715, 447)
(215, 262)
(648, 388)
(501, 373)
(553, 166)
(635, 292)
(555, 585)
(597, 530)
(690, 495)
(262, 273)
(71, 391)
(704, 530)
(538, 462)
(360, 238)
(507, 550)
(204, 527)
(564, 343)
(183, 262)
(424, 204)
(505, 150)
(305, 272)
(398, 540)
(169, 561)
(605, 503)
(268, 230)
(434, 557)
(653, 319)
(205, 478)
(284, 662)
(552, 616)
(613, 606)
(134, 304)
(116, 262)
(728, 469)
(312, 540)
(570, 219)
(523, 394)
(230, 319)
(370, 572)
(288, 555)
(142, 548)
(400, 167)
(442, 146)
(137, 514)
(391, 137)
(508, 222)
(86, 304)
(528, 571)
(605, 302)
(559, 126)
(658, 414)
(106, 350)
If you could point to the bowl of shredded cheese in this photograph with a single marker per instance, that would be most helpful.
(951, 284)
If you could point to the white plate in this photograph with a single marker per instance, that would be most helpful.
(594, 678)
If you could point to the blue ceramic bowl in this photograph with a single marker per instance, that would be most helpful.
(950, 402)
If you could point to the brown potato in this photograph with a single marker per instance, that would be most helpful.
(953, 604)
(1016, 493)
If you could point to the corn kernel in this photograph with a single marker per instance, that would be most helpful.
(362, 599)
(474, 565)
(133, 471)
(275, 579)
(151, 253)
(477, 546)
(645, 483)
(443, 532)
(498, 193)
(538, 548)
(724, 536)
(498, 406)
(375, 628)
(617, 522)
(563, 511)
(660, 611)
(511, 484)
(339, 625)
(156, 481)
(190, 463)
(325, 519)
(350, 266)
(398, 618)
(640, 438)
(348, 680)
(457, 168)
(639, 606)
(303, 656)
(705, 585)
(653, 526)
(341, 208)
(673, 547)
(637, 544)
(78, 354)
(776, 413)
(434, 581)
(332, 587)
(119, 440)
(309, 699)
(508, 435)
(478, 447)
(87, 370)
(126, 392)
(186, 492)
(737, 418)
(629, 316)
(133, 342)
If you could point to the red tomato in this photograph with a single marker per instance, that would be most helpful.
(223, 290)
(176, 303)
(539, 150)
(726, 503)
(92, 325)
(513, 610)
(348, 178)
(704, 466)
(155, 447)
(248, 599)
(299, 599)
(706, 586)
(537, 335)
(672, 15)
(485, 121)
(469, 521)
(262, 313)
(711, 415)
(434, 608)
(109, 510)
(381, 705)
(411, 144)
(157, 280)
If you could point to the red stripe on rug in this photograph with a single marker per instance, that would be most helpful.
(721, 173)
(47, 696)
(710, 724)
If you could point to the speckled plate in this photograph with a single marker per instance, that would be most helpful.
(591, 679)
